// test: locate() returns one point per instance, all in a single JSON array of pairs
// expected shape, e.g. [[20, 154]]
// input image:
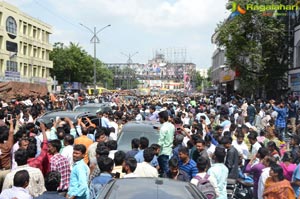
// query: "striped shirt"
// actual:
[[281, 117], [190, 168], [61, 164]]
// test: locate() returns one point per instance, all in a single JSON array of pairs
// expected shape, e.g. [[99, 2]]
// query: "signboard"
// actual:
[[155, 83], [72, 85], [38, 80], [187, 83], [295, 81], [12, 75], [227, 75]]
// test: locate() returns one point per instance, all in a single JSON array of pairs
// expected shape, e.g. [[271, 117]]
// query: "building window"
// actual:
[[11, 27], [1, 42], [34, 72], [25, 70], [24, 29], [24, 50], [34, 33], [11, 46], [12, 66], [34, 52], [43, 72]]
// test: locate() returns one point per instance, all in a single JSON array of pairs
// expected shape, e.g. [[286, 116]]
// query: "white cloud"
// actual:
[[149, 14], [137, 25]]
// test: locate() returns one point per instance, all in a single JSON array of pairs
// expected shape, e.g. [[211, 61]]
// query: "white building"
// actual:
[[24, 47], [203, 72]]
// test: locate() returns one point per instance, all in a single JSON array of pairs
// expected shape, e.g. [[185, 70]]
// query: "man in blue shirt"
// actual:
[[144, 143], [186, 164], [79, 188], [105, 165], [153, 116], [280, 123]]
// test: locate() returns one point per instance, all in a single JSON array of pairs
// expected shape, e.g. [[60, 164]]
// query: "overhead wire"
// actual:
[[58, 16]]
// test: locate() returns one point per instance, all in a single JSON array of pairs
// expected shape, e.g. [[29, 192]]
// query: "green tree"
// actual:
[[72, 63], [200, 81], [256, 48]]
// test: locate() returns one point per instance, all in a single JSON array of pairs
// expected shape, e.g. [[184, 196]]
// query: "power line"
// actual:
[[57, 16]]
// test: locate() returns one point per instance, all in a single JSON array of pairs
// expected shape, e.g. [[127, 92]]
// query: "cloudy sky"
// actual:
[[143, 26]]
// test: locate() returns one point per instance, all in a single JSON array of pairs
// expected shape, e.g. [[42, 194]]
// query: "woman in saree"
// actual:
[[276, 187]]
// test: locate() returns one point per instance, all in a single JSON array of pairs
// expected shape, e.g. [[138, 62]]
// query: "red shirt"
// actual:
[[42, 161]]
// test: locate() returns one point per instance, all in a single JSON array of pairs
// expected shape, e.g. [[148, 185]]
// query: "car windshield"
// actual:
[[126, 137], [148, 189]]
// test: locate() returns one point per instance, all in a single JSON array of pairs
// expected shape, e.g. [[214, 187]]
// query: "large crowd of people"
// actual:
[[205, 140]]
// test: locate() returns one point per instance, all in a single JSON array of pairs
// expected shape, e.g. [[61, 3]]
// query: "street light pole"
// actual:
[[95, 40], [129, 61]]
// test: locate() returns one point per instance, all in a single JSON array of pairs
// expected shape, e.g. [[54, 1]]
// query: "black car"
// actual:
[[149, 188], [137, 129], [93, 108], [51, 116]]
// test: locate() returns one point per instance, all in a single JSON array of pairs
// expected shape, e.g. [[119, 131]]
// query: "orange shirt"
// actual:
[[86, 142], [52, 97]]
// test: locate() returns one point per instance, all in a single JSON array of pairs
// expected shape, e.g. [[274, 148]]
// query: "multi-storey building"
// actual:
[[223, 78], [203, 72], [24, 47], [157, 73]]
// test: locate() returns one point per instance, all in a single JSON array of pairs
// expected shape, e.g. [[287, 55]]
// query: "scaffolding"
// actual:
[[171, 55]]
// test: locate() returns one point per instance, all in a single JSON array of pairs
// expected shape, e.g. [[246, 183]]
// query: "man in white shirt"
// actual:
[[252, 137], [240, 145], [21, 181], [129, 166], [145, 169], [113, 124], [67, 151], [267, 161], [218, 101], [36, 185], [105, 121]]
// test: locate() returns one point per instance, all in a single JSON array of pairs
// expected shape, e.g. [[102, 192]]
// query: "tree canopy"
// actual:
[[256, 46], [73, 64]]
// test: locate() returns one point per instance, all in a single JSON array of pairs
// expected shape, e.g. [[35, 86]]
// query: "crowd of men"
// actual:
[[255, 142]]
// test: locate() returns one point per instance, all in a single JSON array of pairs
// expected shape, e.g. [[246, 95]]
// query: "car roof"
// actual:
[[63, 114], [134, 126], [149, 188], [137, 129]]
